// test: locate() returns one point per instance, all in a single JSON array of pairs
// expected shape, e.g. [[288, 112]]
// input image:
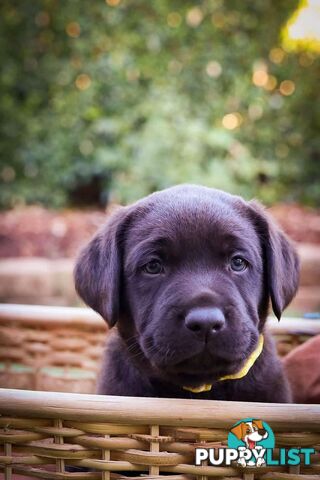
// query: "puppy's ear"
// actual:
[[239, 431], [258, 423], [280, 258], [97, 271]]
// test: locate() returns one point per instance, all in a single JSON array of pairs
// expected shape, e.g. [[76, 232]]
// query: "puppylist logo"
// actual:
[[250, 444]]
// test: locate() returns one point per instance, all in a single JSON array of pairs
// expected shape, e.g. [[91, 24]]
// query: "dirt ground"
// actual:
[[38, 232]]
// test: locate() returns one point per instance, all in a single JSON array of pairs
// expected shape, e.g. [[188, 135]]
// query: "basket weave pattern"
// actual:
[[48, 348], [44, 434], [55, 436], [59, 349]]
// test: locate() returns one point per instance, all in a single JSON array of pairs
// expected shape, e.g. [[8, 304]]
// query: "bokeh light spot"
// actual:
[[83, 81], [113, 3], [31, 171], [73, 29], [86, 147], [76, 62], [175, 67], [213, 69], [275, 101], [8, 174], [306, 59], [174, 19], [218, 20], [255, 111], [132, 74], [260, 78], [287, 87], [232, 120], [277, 55], [194, 17], [42, 19], [271, 83]]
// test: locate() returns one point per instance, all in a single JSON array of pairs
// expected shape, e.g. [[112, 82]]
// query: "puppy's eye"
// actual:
[[238, 264], [154, 267]]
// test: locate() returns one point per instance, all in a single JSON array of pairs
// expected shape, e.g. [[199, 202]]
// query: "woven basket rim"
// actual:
[[50, 315], [160, 411]]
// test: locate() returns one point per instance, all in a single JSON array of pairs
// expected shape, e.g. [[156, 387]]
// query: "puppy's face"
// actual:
[[189, 280], [193, 279], [250, 432]]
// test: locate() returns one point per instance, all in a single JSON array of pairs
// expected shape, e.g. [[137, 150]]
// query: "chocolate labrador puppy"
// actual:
[[186, 274]]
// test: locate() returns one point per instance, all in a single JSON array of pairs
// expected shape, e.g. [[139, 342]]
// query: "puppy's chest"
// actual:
[[233, 390], [218, 392]]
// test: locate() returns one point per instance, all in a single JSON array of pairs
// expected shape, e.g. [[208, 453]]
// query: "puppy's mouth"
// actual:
[[203, 367], [198, 369]]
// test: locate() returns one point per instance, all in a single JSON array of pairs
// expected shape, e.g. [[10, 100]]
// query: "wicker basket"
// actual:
[[51, 435], [50, 348]]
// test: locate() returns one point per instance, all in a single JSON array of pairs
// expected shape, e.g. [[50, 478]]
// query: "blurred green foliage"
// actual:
[[112, 100]]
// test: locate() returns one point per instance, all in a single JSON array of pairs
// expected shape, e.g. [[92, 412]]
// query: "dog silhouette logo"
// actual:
[[251, 437], [251, 443]]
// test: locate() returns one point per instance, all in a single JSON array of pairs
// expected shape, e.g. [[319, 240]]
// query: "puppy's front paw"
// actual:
[[260, 462], [242, 462]]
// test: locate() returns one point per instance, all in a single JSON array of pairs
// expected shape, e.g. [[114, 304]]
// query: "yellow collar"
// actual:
[[242, 373]]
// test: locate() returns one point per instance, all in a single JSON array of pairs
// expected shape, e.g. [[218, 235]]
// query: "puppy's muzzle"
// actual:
[[205, 322]]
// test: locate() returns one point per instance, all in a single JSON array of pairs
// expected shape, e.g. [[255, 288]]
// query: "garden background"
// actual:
[[103, 102]]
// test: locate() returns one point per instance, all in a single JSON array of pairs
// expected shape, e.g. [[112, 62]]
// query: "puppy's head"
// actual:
[[187, 273], [252, 430]]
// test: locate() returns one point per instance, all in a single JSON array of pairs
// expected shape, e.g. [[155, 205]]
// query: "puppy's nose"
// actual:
[[205, 321]]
